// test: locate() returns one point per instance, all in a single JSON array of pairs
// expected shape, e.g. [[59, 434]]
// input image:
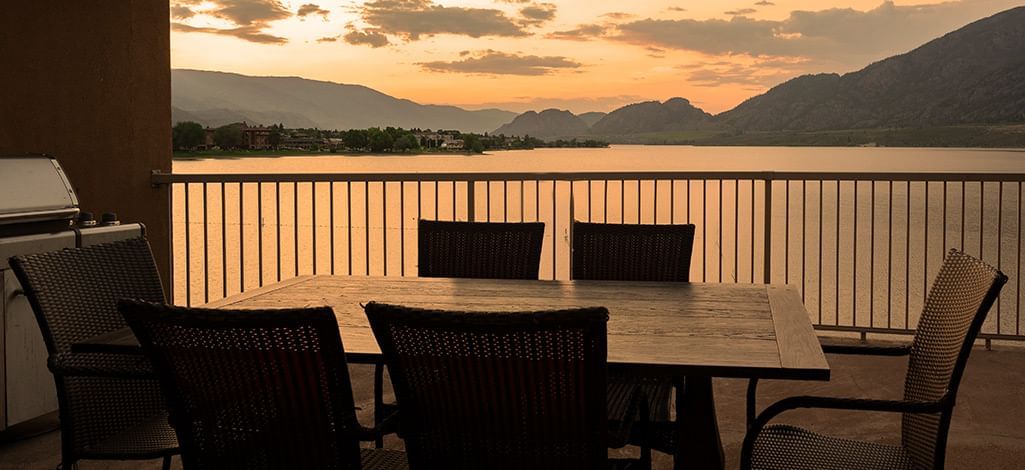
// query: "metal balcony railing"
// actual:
[[863, 248]]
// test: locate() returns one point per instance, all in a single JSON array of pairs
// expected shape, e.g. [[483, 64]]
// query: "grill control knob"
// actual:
[[86, 219], [109, 218]]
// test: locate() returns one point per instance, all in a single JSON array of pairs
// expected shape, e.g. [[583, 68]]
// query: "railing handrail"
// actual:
[[160, 178]]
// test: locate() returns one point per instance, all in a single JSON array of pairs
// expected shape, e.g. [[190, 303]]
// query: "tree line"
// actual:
[[188, 135]]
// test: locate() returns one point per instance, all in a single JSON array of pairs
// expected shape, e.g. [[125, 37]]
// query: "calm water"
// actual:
[[863, 254], [641, 158]]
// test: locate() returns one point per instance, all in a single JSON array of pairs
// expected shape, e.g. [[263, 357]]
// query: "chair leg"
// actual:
[[167, 463], [378, 401], [752, 401]]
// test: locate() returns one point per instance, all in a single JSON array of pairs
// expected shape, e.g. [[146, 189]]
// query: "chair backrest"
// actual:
[[258, 389], [488, 250], [74, 292], [954, 311], [632, 252], [497, 390]]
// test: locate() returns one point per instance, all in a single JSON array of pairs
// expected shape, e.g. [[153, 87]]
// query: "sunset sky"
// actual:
[[581, 55]]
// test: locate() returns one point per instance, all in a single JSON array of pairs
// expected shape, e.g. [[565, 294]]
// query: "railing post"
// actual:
[[767, 258], [471, 187]]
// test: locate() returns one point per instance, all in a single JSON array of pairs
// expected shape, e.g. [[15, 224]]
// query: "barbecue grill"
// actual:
[[39, 212]]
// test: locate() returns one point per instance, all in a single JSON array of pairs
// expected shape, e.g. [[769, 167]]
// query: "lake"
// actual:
[[863, 253]]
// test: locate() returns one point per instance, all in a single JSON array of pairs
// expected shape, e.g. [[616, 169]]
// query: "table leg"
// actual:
[[698, 445]]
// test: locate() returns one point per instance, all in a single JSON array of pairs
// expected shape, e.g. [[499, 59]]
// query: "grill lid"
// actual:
[[34, 189]]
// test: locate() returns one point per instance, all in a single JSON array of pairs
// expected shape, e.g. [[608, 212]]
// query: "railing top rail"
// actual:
[[164, 178]]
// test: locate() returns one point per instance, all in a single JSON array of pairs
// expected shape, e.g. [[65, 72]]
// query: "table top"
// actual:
[[719, 330]]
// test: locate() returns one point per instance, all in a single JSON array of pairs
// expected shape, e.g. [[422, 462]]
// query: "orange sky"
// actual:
[[581, 55]]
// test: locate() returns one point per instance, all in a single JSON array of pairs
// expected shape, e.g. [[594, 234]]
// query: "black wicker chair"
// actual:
[[486, 250], [256, 389], [637, 252], [632, 252], [480, 250], [111, 407], [498, 390], [954, 311]]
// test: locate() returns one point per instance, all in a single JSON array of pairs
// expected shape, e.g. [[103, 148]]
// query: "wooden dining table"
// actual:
[[695, 331]]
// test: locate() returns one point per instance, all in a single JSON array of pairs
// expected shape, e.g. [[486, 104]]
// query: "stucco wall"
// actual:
[[89, 82]]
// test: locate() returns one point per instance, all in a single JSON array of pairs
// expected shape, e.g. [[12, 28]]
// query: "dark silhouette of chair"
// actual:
[[480, 249], [111, 407], [954, 311], [255, 389], [632, 252], [498, 390], [637, 252]]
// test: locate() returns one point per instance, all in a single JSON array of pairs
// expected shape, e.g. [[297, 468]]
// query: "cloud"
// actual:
[[584, 32], [618, 15], [249, 12], [758, 75], [181, 12], [677, 9], [328, 39], [249, 33], [741, 11], [764, 3], [837, 37], [492, 62], [312, 9], [576, 105], [411, 19], [370, 38], [538, 13], [249, 17]]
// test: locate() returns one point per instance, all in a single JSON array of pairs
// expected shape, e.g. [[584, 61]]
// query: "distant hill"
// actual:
[[217, 98], [547, 123], [970, 82], [592, 117], [975, 75], [651, 116]]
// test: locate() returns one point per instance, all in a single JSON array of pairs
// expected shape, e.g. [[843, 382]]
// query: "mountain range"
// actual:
[[217, 98], [970, 77]]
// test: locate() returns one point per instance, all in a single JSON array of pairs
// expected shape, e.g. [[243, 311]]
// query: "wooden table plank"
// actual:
[[799, 347]]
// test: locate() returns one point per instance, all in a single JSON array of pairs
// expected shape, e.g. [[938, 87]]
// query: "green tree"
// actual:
[[228, 137], [187, 135], [472, 144], [406, 143], [274, 139], [378, 140], [355, 139]]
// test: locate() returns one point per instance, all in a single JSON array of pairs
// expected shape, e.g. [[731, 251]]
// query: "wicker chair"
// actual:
[[632, 252], [637, 252], [954, 311], [467, 250], [256, 389], [498, 390], [480, 249], [111, 407]]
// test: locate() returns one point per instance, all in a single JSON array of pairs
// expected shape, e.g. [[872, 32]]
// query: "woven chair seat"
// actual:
[[113, 365], [150, 439], [788, 447], [374, 459]]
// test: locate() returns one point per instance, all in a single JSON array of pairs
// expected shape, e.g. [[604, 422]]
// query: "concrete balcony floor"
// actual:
[[987, 429]]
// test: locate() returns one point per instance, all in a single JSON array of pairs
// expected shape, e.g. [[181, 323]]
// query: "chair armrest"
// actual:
[[853, 349], [867, 350], [111, 365], [835, 403]]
